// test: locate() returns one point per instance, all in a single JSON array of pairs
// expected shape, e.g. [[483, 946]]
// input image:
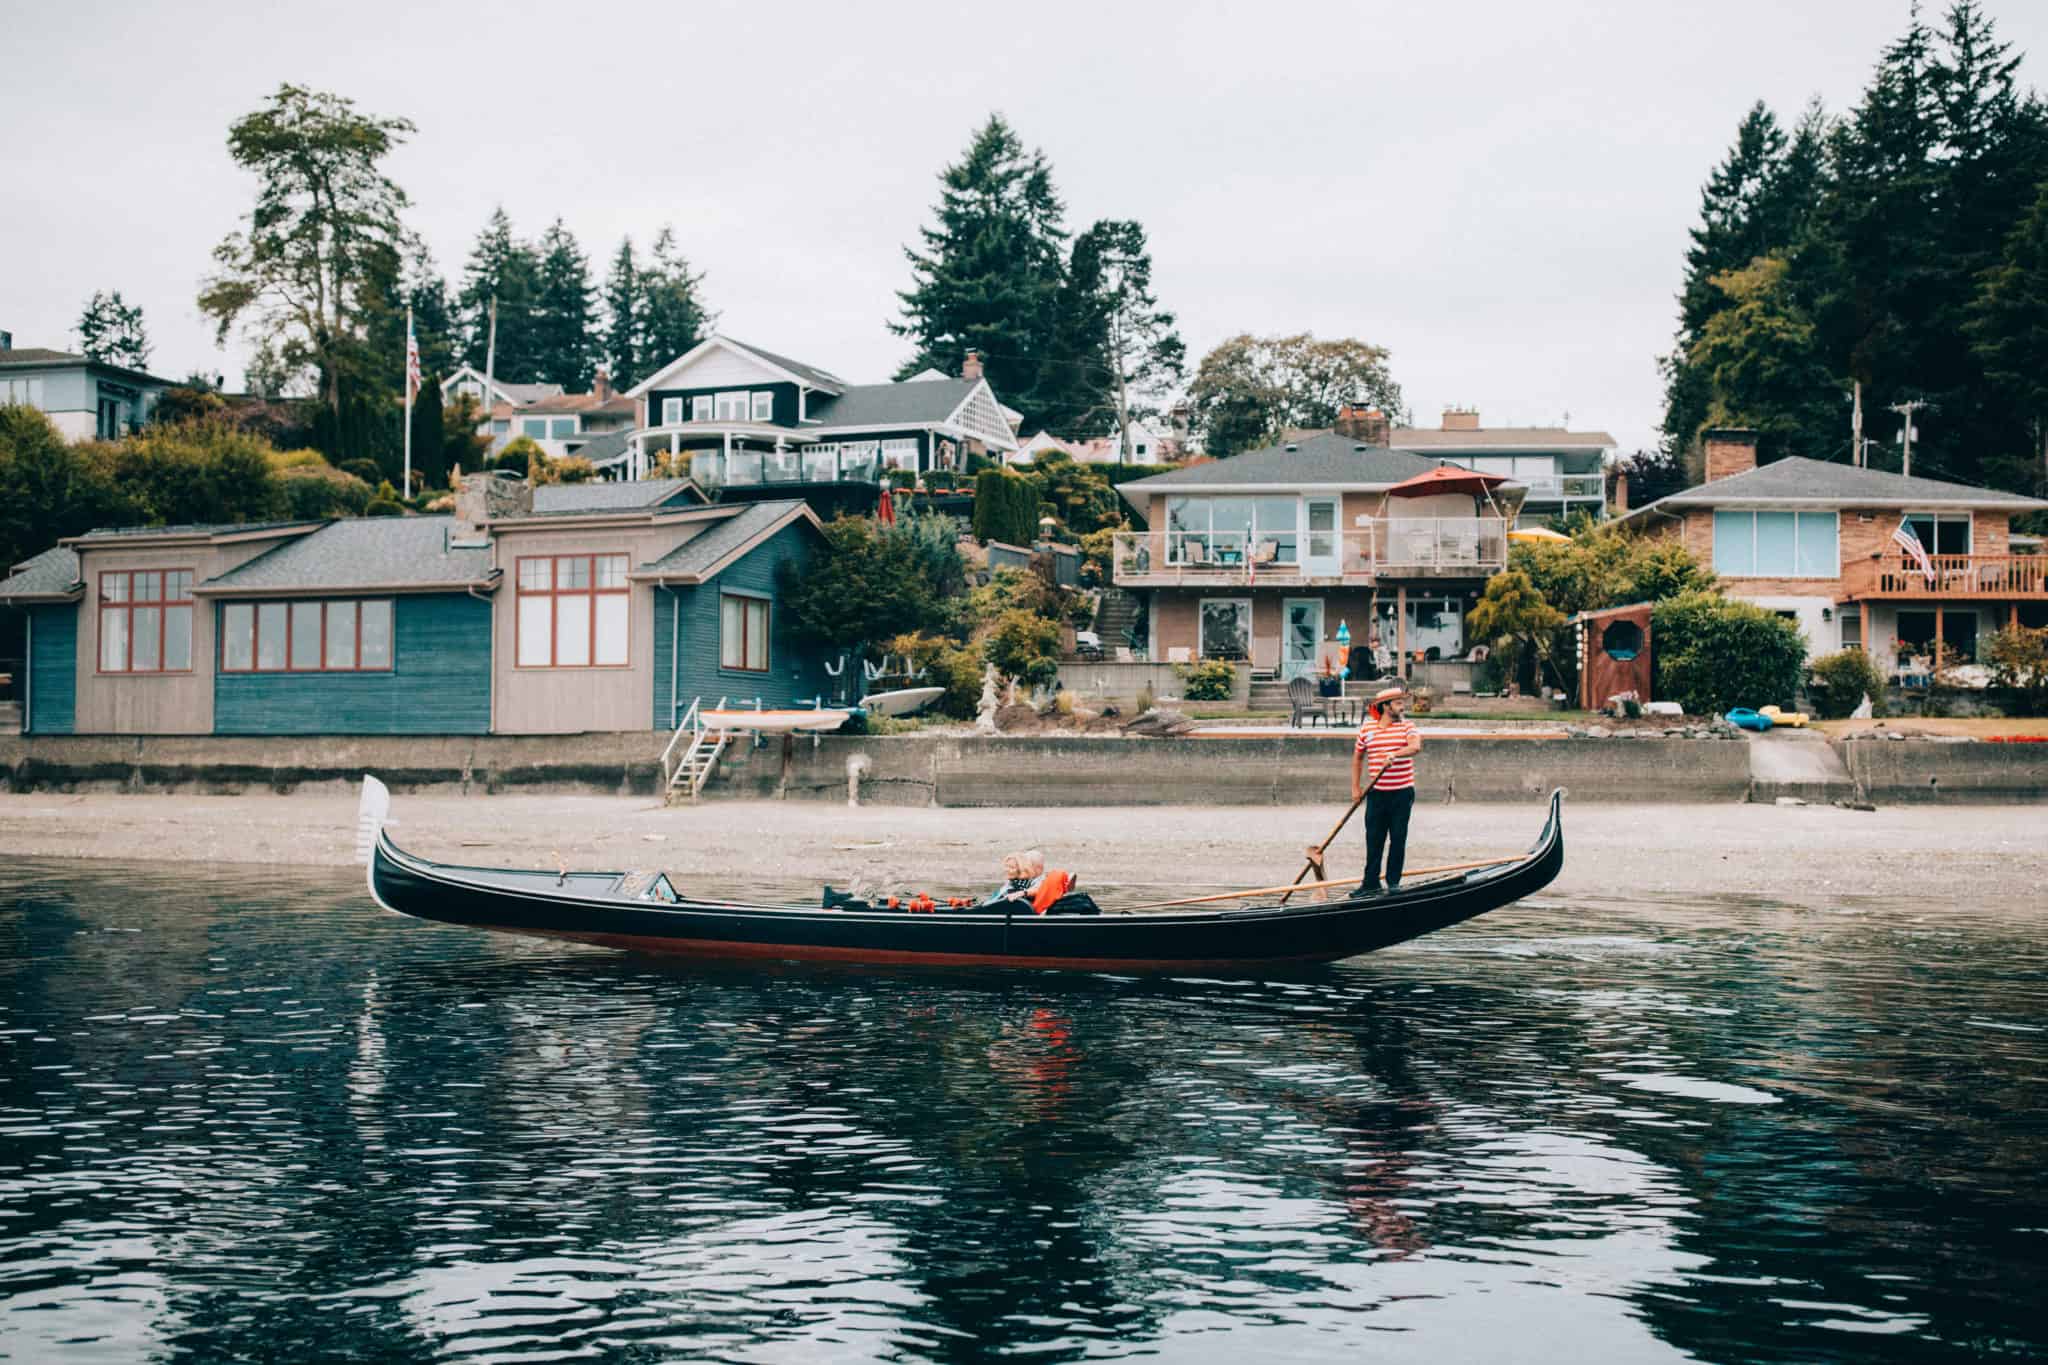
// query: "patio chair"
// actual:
[[1917, 671], [1304, 704]]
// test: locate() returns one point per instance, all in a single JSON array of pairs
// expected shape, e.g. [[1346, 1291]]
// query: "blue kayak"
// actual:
[[1748, 719]]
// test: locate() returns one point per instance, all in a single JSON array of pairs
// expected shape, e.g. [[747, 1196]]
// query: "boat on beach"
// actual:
[[647, 912]]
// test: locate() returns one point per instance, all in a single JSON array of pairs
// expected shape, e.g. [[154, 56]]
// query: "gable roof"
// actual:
[[519, 394], [362, 553], [1328, 460], [810, 376], [631, 495], [709, 551], [190, 530], [910, 402], [1797, 479], [51, 574]]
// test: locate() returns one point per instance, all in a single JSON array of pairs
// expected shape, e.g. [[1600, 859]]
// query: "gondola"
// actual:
[[645, 912]]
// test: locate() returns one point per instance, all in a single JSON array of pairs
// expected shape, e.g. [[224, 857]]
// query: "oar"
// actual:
[[1314, 864], [1308, 886]]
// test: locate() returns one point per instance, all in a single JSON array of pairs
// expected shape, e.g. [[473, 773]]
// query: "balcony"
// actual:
[[1948, 576], [748, 468], [1565, 488], [1462, 547]]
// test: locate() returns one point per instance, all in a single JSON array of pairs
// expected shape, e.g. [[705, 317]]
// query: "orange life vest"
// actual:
[[1055, 884]]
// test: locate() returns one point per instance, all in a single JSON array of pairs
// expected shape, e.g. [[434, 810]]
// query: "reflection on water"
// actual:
[[260, 1119]]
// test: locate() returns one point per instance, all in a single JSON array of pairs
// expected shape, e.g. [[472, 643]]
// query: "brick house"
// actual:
[[1813, 542]]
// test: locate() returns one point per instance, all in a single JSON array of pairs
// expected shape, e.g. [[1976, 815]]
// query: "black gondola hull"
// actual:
[[587, 908]]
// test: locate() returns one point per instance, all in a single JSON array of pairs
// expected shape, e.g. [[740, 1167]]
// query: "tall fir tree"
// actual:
[[502, 266], [1114, 327], [2008, 330], [623, 324], [112, 331], [564, 310], [672, 314], [429, 437], [989, 277]]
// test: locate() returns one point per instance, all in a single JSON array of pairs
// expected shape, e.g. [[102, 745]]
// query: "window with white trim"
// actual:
[[700, 408], [306, 637], [1852, 627], [572, 611], [562, 428], [146, 621], [671, 411], [733, 407], [764, 405], [536, 427], [25, 391], [900, 453], [1941, 533], [743, 632], [1776, 544]]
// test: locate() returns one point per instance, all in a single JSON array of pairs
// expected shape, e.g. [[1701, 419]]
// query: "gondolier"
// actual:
[[1388, 742]]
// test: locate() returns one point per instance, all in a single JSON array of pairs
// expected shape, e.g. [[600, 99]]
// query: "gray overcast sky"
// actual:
[[1498, 192]]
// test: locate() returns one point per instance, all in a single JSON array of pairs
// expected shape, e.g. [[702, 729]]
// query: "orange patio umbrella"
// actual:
[[1448, 478]]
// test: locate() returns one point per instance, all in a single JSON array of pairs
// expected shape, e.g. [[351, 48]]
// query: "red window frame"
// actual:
[[554, 594], [126, 606], [290, 614], [747, 604]]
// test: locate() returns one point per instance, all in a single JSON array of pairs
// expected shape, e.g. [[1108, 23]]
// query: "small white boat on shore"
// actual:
[[781, 722], [901, 702]]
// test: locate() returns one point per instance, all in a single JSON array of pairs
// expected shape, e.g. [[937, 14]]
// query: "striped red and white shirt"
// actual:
[[1379, 743]]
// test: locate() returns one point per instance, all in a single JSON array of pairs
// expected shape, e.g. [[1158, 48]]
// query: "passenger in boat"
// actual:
[[1388, 742], [1029, 886], [1022, 873]]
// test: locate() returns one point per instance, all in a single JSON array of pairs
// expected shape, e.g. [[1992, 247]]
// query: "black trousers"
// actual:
[[1386, 832]]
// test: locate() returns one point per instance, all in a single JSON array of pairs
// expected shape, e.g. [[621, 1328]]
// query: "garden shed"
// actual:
[[1614, 653]]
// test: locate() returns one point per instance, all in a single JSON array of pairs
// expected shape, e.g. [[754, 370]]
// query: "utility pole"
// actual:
[[490, 372], [1856, 428], [1906, 410]]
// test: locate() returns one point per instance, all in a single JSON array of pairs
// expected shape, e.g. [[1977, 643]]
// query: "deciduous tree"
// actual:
[[1250, 389], [1113, 317]]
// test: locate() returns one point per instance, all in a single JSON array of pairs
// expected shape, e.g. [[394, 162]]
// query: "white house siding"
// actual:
[[719, 367], [1822, 636]]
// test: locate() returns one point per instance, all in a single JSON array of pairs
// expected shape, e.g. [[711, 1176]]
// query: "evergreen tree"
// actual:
[[1761, 368], [623, 321], [1112, 325], [2009, 331], [111, 331], [990, 278], [429, 438], [502, 266], [564, 311], [672, 315]]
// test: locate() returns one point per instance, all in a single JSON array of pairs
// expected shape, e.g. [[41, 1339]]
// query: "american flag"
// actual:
[[412, 362], [1909, 541]]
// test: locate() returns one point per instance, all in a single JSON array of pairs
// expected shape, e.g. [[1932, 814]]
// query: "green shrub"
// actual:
[[281, 460], [1005, 507], [1713, 653], [1024, 646], [384, 507], [1209, 680], [522, 455], [366, 470], [2018, 659], [1840, 681], [316, 492], [958, 669]]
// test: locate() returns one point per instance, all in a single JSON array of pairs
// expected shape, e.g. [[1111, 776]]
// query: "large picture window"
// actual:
[[1776, 545], [572, 611], [146, 621], [306, 637], [1232, 530], [743, 633], [733, 407], [1941, 533]]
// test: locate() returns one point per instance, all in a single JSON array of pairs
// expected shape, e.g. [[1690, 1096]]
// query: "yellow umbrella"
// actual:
[[1539, 533]]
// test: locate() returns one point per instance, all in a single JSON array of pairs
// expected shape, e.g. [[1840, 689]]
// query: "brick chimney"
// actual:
[[1368, 426], [602, 385], [1729, 450], [484, 497], [970, 368], [1461, 419]]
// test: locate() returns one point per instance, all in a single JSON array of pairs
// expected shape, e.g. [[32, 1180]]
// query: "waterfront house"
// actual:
[[470, 383], [592, 607], [751, 423], [1149, 446], [563, 424], [1813, 541], [86, 400], [1266, 555], [1562, 471]]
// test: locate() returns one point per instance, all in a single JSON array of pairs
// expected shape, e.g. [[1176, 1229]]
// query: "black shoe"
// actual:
[[1364, 889]]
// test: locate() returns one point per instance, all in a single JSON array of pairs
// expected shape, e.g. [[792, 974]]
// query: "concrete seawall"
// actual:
[[896, 770], [1928, 771]]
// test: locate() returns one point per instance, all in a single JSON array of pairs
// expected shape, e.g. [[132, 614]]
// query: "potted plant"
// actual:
[[1329, 682]]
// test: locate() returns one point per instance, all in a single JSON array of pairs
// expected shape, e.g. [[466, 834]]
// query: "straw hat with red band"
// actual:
[[1385, 695]]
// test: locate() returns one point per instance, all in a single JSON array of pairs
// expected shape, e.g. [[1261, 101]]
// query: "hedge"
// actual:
[[1713, 653]]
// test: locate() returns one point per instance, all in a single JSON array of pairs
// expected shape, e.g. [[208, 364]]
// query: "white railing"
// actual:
[[747, 468], [693, 769], [1450, 545], [1560, 487]]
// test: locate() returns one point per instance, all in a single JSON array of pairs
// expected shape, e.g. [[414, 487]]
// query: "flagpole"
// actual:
[[407, 491]]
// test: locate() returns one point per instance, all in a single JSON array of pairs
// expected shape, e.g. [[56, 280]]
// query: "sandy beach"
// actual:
[[1808, 855]]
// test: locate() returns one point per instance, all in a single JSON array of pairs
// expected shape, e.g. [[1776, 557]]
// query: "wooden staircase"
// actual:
[[1118, 613], [693, 752]]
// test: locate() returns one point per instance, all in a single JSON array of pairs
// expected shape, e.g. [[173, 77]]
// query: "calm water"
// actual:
[[246, 1116]]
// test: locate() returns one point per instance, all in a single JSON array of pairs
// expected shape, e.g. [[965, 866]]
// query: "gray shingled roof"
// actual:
[[706, 548], [604, 449], [631, 495], [218, 528], [362, 552], [910, 403], [1497, 438], [53, 573], [810, 374], [1317, 460], [1797, 479]]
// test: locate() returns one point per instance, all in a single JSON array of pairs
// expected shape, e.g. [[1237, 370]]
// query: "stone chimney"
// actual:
[[1461, 419], [485, 497], [1367, 426], [1620, 497], [970, 368], [601, 386], [1729, 450]]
